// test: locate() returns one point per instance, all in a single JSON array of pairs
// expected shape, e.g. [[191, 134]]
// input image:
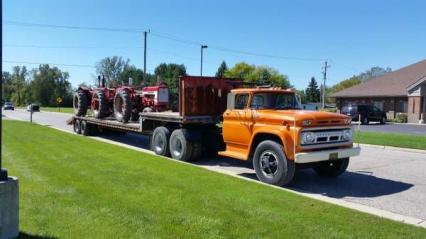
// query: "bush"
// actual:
[[400, 118]]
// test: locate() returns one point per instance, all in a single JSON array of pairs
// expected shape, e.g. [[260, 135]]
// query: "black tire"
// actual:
[[197, 150], [79, 103], [271, 164], [160, 141], [122, 106], [180, 148], [77, 126], [332, 168], [136, 109], [102, 106], [86, 128]]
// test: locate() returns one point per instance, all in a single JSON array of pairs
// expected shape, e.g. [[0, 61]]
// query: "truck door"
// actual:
[[237, 121]]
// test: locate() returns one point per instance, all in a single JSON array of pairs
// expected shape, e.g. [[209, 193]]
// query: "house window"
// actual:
[[404, 106]]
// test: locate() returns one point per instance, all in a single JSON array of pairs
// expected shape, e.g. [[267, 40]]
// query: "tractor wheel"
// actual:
[[80, 103], [136, 109], [122, 106], [99, 104]]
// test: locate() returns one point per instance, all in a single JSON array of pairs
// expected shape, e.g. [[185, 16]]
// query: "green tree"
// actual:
[[252, 74], [222, 69], [112, 68], [313, 93], [19, 83], [48, 84], [169, 74], [131, 71], [6, 81]]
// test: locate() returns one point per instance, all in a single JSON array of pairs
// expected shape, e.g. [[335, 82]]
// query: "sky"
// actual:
[[294, 37]]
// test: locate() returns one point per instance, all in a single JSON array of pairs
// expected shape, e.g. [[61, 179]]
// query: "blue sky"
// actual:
[[352, 35]]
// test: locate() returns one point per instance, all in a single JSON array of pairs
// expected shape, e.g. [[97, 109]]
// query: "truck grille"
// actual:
[[324, 136]]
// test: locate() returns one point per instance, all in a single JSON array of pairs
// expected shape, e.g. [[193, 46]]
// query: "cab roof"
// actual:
[[262, 89]]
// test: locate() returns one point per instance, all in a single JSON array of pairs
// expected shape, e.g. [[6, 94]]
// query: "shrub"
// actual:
[[401, 118]]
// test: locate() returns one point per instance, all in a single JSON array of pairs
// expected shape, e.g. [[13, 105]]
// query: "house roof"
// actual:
[[394, 83]]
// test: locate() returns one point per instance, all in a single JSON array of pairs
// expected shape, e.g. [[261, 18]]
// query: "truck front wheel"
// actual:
[[160, 141], [332, 168], [271, 164]]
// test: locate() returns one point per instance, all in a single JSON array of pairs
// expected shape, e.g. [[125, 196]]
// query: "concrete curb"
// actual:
[[339, 202], [420, 151]]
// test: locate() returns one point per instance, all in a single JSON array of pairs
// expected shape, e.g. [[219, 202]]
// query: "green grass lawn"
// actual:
[[391, 139], [76, 187]]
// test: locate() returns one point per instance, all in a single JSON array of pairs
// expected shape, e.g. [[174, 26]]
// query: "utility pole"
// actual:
[[202, 48], [325, 67], [3, 173], [144, 55]]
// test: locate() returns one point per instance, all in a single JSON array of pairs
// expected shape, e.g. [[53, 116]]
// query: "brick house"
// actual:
[[400, 91]]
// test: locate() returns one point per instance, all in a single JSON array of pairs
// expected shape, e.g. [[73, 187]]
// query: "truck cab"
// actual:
[[267, 126]]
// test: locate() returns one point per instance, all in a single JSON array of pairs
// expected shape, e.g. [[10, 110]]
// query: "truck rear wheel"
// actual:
[[160, 141], [332, 168], [99, 104], [77, 126], [79, 103], [180, 148], [271, 164], [122, 106]]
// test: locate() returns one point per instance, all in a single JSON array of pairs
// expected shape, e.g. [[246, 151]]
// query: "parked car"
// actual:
[[8, 106], [364, 112], [35, 107]]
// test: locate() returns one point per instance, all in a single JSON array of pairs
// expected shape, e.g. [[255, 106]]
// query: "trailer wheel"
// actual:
[[86, 128], [180, 148], [160, 141], [271, 164], [99, 104], [77, 126], [122, 106], [79, 103], [332, 168]]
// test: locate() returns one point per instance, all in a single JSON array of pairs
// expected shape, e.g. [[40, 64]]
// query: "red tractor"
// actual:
[[124, 102]]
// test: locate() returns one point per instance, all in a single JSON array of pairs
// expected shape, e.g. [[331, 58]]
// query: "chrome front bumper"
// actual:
[[318, 156]]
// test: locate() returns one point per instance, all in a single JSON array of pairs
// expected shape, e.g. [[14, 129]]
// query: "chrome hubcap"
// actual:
[[268, 163], [159, 144], [177, 147]]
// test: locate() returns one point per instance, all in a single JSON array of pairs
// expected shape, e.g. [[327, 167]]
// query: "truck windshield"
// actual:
[[274, 101]]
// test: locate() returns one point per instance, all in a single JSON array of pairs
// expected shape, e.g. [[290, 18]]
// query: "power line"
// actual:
[[160, 35], [49, 63], [99, 47]]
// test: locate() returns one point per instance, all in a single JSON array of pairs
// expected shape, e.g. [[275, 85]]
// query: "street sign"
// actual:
[[59, 100]]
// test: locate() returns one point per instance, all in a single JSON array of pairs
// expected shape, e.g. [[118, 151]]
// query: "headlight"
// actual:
[[347, 134], [308, 138]]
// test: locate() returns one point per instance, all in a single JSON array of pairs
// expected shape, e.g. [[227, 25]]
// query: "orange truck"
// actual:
[[263, 125]]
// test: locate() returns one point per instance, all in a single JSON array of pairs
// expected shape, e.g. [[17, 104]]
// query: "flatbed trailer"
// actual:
[[202, 101]]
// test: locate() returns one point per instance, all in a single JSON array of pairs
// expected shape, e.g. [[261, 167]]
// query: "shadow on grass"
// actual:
[[25, 235]]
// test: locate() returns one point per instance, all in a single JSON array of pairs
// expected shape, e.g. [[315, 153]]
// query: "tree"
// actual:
[[131, 71], [222, 69], [313, 94], [169, 73], [19, 83], [48, 84], [252, 74], [6, 81], [112, 68]]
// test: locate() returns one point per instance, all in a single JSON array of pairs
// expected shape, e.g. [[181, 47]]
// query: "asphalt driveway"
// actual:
[[395, 128]]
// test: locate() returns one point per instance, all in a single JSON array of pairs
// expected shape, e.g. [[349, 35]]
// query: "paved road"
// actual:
[[390, 180], [396, 128]]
